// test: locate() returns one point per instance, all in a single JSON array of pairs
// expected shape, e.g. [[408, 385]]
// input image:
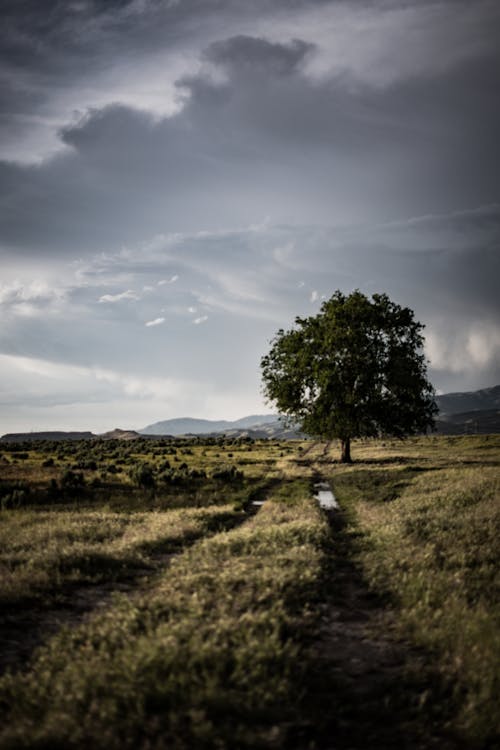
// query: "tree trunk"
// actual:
[[345, 456]]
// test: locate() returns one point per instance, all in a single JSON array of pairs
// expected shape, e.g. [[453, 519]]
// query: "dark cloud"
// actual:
[[246, 54], [362, 154], [265, 141]]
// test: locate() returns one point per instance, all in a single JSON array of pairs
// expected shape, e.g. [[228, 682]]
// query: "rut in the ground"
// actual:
[[23, 630], [367, 689]]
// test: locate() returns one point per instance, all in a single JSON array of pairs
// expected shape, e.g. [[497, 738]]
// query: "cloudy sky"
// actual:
[[181, 178]]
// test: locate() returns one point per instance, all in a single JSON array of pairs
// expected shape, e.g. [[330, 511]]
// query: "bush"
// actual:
[[142, 475], [72, 479], [15, 499], [14, 495], [227, 473]]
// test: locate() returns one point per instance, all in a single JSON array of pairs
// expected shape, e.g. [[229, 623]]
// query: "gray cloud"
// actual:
[[229, 166], [257, 280], [266, 140], [246, 54]]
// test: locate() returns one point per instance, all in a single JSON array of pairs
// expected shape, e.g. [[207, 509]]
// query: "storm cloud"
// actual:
[[176, 173]]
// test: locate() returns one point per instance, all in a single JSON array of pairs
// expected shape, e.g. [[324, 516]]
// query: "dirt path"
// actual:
[[367, 689]]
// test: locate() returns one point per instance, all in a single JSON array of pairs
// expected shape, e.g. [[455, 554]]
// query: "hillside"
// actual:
[[21, 437], [479, 422], [118, 434], [459, 413], [459, 403], [191, 426]]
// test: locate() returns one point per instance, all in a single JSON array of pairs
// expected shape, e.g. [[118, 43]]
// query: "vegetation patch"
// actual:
[[43, 552], [433, 549], [209, 658], [250, 618]]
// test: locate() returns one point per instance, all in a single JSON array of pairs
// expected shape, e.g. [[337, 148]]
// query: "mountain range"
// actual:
[[190, 426], [458, 403], [459, 413]]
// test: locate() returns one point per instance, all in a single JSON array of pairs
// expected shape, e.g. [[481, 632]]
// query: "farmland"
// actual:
[[191, 594]]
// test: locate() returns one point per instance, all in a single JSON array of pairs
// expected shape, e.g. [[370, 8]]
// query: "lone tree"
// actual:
[[356, 369]]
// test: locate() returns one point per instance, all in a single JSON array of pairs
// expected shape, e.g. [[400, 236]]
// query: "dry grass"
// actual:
[[44, 551], [213, 654], [209, 658], [430, 513]]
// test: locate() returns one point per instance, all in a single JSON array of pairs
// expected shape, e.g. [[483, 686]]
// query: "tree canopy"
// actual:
[[356, 369]]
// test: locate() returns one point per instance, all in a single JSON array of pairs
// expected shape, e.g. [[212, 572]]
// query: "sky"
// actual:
[[182, 178]]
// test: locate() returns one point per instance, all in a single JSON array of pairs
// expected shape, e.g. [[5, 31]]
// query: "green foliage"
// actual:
[[142, 475], [14, 495], [72, 479], [354, 370], [227, 473]]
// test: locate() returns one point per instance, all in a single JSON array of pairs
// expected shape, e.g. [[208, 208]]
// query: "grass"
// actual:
[[430, 519], [218, 649], [206, 659], [44, 552]]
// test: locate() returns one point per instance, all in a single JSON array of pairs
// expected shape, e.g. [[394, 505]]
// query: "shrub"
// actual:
[[142, 475], [227, 473], [72, 479]]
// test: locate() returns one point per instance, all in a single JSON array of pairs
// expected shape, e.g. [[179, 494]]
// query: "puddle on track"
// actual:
[[325, 496]]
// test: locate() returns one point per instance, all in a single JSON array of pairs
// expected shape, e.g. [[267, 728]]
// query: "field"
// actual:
[[191, 594]]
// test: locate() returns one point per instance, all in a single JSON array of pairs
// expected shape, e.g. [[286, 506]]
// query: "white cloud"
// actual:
[[155, 322], [128, 294], [381, 43], [483, 345], [32, 299], [314, 296], [201, 319], [171, 280], [62, 381], [467, 349]]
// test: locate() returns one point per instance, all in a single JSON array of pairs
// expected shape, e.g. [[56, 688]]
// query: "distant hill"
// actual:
[[189, 426], [118, 434], [479, 421], [20, 437], [271, 430], [460, 413], [460, 403]]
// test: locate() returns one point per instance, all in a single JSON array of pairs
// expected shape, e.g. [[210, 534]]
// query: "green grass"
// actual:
[[184, 473], [44, 552], [217, 650], [430, 519], [209, 658]]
